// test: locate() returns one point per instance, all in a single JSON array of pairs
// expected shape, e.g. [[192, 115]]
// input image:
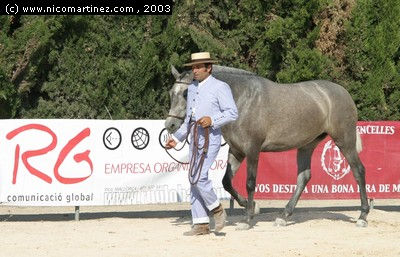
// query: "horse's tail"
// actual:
[[358, 143]]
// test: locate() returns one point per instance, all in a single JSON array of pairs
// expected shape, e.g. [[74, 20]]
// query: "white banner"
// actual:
[[94, 162]]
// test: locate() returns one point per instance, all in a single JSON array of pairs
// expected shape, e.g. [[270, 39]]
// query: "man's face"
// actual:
[[201, 71]]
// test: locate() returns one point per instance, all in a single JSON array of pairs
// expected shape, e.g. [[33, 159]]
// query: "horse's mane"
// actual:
[[234, 76], [235, 71]]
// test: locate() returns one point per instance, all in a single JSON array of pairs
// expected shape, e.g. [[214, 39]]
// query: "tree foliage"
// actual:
[[373, 55], [100, 66]]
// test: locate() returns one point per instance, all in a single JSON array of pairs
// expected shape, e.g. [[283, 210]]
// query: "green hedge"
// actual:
[[97, 66]]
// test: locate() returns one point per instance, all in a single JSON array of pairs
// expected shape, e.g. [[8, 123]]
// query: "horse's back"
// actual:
[[283, 116], [341, 104], [318, 105]]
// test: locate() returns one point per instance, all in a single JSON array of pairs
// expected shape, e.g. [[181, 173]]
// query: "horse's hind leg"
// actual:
[[303, 176], [349, 151], [231, 169]]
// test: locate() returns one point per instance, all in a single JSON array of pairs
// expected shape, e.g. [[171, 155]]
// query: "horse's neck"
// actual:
[[244, 81]]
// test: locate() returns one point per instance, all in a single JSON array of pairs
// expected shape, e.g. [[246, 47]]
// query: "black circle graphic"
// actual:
[[160, 137], [112, 138], [140, 138]]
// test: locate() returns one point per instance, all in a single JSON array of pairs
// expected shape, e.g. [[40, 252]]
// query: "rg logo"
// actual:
[[84, 156]]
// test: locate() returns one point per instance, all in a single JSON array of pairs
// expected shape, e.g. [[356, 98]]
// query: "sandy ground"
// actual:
[[318, 228]]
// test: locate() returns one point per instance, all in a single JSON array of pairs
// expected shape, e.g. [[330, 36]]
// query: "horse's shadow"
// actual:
[[301, 215]]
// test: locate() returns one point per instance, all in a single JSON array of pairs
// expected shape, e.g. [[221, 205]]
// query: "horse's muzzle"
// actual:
[[172, 124]]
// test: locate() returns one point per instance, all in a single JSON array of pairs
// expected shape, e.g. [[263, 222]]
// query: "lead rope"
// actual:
[[193, 168]]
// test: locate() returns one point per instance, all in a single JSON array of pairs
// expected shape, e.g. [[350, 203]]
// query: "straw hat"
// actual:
[[202, 57]]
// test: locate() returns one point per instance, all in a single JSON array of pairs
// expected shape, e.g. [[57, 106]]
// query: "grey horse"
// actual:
[[277, 117]]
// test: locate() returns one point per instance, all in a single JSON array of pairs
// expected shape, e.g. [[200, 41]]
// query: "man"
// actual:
[[210, 102]]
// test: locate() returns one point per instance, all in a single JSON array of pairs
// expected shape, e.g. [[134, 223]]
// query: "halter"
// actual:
[[183, 82]]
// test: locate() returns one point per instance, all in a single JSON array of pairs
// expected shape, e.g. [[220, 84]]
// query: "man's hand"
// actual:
[[205, 122], [171, 143]]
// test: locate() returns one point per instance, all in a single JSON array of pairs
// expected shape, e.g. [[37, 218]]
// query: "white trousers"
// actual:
[[202, 195]]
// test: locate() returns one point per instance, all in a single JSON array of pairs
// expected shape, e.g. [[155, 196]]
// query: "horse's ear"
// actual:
[[175, 72]]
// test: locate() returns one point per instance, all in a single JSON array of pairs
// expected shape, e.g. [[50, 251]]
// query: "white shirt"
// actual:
[[204, 81], [201, 83]]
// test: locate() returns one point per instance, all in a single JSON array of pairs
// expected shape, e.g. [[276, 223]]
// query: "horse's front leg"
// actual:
[[252, 164]]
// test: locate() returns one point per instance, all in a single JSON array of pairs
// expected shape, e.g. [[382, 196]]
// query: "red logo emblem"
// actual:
[[333, 162], [67, 149]]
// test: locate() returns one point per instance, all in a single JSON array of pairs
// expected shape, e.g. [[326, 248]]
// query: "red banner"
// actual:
[[331, 177]]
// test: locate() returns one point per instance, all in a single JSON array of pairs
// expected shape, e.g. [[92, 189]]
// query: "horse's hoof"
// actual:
[[243, 226], [361, 223], [279, 222], [256, 208]]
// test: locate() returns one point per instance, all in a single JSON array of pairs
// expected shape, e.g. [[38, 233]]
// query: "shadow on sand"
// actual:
[[236, 215]]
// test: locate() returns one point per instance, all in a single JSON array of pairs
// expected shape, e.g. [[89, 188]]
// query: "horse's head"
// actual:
[[178, 95]]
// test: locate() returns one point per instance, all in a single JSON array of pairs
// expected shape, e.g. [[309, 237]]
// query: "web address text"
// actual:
[[143, 9]]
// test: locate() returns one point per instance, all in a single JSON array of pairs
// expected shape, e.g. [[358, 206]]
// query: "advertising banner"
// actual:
[[65, 162], [93, 162]]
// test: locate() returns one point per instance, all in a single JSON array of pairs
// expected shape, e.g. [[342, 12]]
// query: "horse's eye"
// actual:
[[185, 94]]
